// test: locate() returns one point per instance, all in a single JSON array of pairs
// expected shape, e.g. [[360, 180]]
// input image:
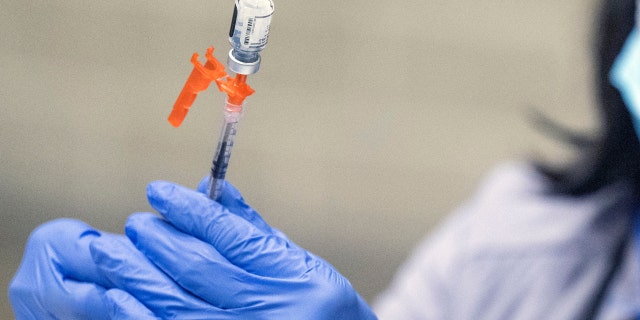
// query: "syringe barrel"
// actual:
[[221, 158]]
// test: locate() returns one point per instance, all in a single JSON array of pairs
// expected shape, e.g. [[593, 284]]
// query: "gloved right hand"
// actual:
[[228, 261]]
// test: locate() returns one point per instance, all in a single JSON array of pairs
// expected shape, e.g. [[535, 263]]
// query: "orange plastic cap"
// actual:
[[199, 80]]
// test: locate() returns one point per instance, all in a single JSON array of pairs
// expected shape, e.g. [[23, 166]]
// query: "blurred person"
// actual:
[[535, 242]]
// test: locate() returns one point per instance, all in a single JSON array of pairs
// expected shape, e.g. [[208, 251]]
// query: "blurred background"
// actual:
[[371, 122]]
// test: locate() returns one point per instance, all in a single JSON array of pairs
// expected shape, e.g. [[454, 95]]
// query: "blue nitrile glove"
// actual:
[[58, 279], [223, 262]]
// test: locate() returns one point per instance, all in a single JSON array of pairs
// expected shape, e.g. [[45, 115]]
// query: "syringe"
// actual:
[[248, 37], [232, 113]]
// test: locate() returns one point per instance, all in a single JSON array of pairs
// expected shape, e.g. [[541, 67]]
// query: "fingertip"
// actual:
[[177, 203], [157, 193], [169, 198], [204, 185], [232, 199], [135, 222], [122, 305], [138, 221], [152, 186], [139, 218], [66, 227], [98, 249], [132, 234], [230, 192], [106, 250]]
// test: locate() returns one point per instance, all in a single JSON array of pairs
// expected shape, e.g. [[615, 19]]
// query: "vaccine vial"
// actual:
[[249, 34]]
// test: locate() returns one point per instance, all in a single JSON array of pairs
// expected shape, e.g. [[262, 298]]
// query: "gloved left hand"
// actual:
[[222, 261], [58, 279]]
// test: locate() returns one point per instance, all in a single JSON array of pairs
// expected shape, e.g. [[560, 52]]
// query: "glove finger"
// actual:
[[57, 276], [238, 240], [132, 272], [186, 259], [123, 306], [204, 185], [232, 199]]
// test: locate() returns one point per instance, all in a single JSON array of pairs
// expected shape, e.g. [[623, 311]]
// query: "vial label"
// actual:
[[255, 31]]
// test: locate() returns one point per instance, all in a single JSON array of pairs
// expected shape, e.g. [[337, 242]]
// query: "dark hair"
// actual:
[[614, 154]]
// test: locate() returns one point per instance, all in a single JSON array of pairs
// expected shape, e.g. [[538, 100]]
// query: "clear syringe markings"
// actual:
[[222, 155]]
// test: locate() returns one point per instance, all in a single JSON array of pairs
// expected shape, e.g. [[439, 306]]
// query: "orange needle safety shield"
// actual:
[[201, 76]]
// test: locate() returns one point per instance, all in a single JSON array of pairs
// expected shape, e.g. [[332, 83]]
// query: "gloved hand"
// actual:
[[219, 261], [58, 279]]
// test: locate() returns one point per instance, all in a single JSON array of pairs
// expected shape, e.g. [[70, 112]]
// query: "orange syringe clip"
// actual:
[[198, 80], [236, 88]]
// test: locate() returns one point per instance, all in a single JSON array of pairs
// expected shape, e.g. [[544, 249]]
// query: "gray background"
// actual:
[[372, 119]]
